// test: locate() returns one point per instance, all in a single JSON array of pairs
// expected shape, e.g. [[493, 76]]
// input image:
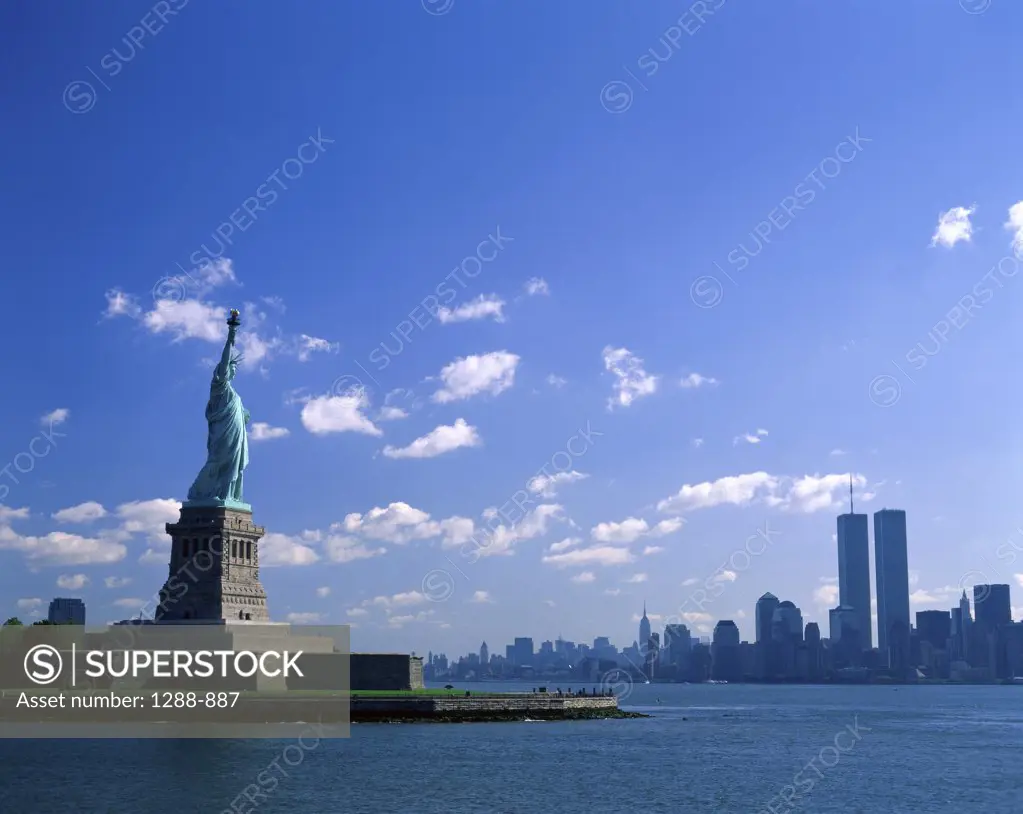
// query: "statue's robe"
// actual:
[[227, 446]]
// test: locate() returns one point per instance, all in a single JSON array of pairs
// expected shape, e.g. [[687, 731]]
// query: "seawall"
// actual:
[[469, 709]]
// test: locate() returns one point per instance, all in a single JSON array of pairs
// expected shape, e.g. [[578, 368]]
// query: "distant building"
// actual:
[[484, 655], [725, 655], [844, 632], [764, 654], [678, 642], [891, 561], [766, 606], [934, 627], [991, 606], [67, 611], [523, 651], [854, 569], [644, 631]]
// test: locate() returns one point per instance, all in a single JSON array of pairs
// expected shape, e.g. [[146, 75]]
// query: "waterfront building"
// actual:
[[766, 606], [992, 606], [934, 627], [725, 654], [484, 655], [677, 643], [854, 569], [891, 561], [844, 632], [66, 611]]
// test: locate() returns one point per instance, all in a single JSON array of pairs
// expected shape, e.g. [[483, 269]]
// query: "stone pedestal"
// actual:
[[214, 568]]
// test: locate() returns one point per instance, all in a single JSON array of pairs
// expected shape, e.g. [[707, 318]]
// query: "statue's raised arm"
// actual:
[[227, 445]]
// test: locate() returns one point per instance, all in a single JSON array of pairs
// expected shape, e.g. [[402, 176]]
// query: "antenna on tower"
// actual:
[[851, 510]]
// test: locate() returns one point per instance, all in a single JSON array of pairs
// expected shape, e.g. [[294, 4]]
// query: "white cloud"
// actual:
[[152, 557], [187, 319], [628, 531], [304, 618], [921, 597], [438, 441], [806, 494], [836, 453], [537, 285], [485, 305], [1019, 579], [1015, 225], [261, 431], [826, 595], [556, 381], [55, 417], [60, 548], [736, 490], [308, 345], [343, 549], [391, 414], [29, 604], [750, 438], [564, 545], [72, 582], [120, 304], [116, 582], [7, 513], [697, 443], [82, 513], [131, 603], [635, 579], [546, 485], [149, 517], [499, 540], [357, 612], [953, 226], [695, 380], [691, 581], [695, 616], [653, 549], [326, 414], [599, 555], [468, 376], [632, 381], [277, 549], [399, 600], [725, 576], [584, 577], [815, 493], [401, 523], [323, 592], [399, 621], [631, 529], [481, 598], [612, 591]]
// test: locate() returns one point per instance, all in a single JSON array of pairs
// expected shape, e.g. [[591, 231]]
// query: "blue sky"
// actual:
[[603, 321]]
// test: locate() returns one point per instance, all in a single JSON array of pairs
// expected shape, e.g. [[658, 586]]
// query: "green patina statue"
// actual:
[[227, 446]]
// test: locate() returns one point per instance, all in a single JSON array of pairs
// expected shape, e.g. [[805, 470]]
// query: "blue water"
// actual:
[[726, 748]]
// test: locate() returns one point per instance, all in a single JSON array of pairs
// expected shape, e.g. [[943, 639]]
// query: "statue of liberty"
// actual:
[[227, 446]]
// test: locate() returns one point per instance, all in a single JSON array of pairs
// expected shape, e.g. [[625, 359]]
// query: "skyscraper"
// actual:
[[892, 564], [644, 631], [484, 654], [67, 611], [766, 606], [854, 569], [991, 606]]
